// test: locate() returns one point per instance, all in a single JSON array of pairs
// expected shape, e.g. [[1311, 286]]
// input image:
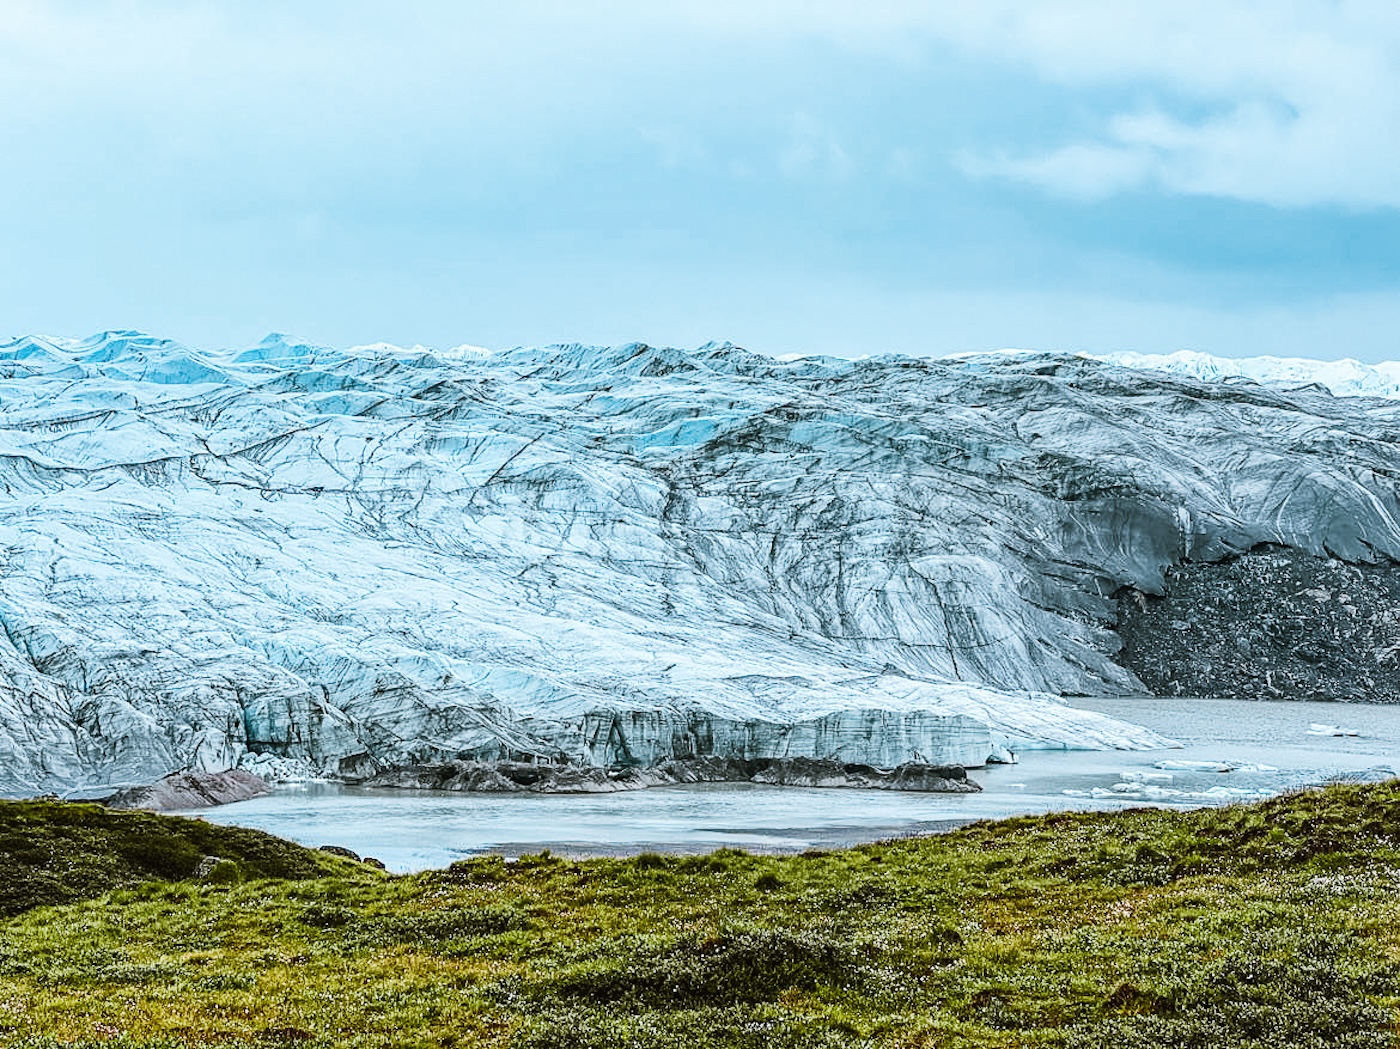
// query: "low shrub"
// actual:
[[439, 926], [685, 1029], [750, 965], [1275, 987]]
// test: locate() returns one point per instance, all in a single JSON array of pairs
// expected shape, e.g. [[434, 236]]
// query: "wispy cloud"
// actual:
[[1284, 103]]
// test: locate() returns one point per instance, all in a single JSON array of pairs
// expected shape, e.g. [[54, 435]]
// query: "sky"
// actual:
[[795, 176]]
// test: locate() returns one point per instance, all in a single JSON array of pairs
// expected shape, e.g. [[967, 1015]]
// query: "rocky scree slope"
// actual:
[[358, 560], [1273, 623]]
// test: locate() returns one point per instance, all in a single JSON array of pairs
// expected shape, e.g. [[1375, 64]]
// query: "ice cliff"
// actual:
[[377, 557]]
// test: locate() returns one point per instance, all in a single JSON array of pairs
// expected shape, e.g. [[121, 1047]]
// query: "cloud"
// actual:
[[1080, 171], [368, 167], [1291, 104]]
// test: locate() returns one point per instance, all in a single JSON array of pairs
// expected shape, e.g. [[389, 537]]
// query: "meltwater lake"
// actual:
[[1231, 750]]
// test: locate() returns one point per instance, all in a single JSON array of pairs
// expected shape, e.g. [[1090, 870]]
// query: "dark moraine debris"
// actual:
[[1274, 623], [814, 772], [575, 779]]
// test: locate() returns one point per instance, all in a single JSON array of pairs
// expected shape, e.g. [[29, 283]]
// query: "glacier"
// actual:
[[1342, 378], [350, 561]]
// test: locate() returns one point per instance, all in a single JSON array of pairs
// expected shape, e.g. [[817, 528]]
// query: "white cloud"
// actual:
[[1302, 97], [1081, 171], [1288, 102]]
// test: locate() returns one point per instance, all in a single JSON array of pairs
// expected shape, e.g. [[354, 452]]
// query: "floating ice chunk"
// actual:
[[1316, 729], [1235, 792], [1147, 791], [1141, 776], [1177, 765]]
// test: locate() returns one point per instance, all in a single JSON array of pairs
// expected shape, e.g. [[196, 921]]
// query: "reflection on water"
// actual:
[[1269, 744]]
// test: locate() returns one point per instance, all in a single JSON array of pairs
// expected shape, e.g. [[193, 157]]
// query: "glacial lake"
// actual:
[[1231, 750]]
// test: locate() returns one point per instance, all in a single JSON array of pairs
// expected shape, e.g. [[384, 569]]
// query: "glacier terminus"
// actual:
[[347, 562]]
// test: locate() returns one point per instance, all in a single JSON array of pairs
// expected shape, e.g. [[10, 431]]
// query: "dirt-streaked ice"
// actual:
[[355, 559]]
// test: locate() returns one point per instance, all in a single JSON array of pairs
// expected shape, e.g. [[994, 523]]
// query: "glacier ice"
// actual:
[[351, 560], [1342, 378]]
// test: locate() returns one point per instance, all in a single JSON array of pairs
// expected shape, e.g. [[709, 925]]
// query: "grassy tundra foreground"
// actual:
[[1266, 925]]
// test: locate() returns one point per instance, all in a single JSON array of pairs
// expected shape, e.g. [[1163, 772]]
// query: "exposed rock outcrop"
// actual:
[[190, 790], [355, 561]]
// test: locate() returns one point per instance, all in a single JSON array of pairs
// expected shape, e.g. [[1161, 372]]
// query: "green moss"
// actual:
[[1251, 926], [58, 852], [713, 969]]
